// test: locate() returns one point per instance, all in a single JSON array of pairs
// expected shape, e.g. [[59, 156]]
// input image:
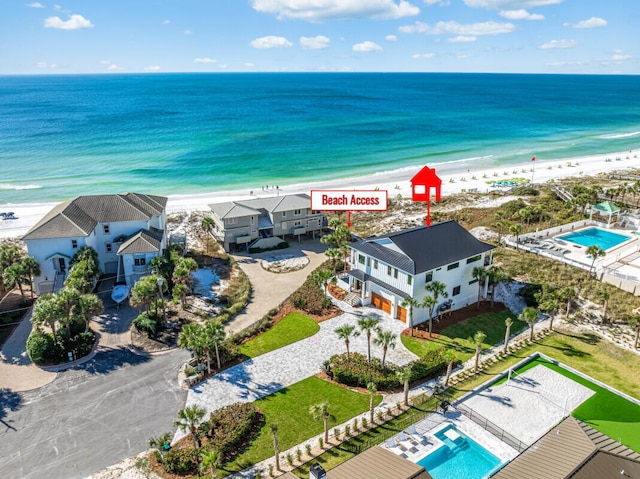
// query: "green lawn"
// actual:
[[605, 411], [457, 336], [293, 327], [289, 408]]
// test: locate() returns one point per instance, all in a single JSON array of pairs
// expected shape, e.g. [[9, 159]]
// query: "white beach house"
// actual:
[[386, 269], [126, 230], [239, 223]]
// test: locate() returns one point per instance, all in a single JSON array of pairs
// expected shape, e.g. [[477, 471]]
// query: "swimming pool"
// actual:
[[595, 236], [459, 457]]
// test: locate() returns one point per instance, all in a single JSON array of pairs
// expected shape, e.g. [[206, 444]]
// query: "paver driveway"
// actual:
[[278, 369]]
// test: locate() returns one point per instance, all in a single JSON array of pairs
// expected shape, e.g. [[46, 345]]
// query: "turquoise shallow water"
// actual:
[[62, 136]]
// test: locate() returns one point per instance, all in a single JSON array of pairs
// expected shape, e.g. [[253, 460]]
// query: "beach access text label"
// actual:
[[349, 200]]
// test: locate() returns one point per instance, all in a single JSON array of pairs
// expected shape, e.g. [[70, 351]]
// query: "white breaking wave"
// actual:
[[8, 186], [621, 135]]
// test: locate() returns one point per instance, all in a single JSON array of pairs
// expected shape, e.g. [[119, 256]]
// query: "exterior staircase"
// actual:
[[352, 299]]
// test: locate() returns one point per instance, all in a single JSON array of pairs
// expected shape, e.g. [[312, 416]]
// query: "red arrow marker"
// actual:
[[349, 219]]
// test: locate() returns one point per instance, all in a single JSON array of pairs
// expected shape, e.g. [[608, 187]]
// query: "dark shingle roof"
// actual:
[[144, 241], [272, 204], [421, 249], [78, 217]]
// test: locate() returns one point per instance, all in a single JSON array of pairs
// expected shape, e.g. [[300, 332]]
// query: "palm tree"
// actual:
[[33, 269], [437, 289], [404, 375], [160, 441], [371, 387], [321, 278], [507, 335], [367, 325], [180, 291], [90, 305], [478, 339], [321, 410], [386, 339], [211, 462], [410, 303], [634, 322], [450, 357], [144, 292], [567, 294], [68, 299], [345, 332], [516, 229], [595, 252], [530, 315], [429, 303], [276, 447], [183, 269], [16, 275], [333, 254], [548, 301], [47, 311], [191, 338], [207, 225], [188, 420], [214, 334], [480, 274], [496, 276]]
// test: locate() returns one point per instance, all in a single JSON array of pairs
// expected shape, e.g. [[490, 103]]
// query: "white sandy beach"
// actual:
[[396, 182]]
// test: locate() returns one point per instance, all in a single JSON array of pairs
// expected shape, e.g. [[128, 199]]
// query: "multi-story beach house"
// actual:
[[239, 223], [386, 269], [126, 230]]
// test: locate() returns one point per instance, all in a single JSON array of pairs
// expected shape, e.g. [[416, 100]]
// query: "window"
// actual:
[[74, 244], [456, 291], [388, 270], [141, 261], [231, 221], [473, 281], [108, 246], [253, 220], [368, 261], [297, 223], [409, 279], [283, 225], [296, 212], [360, 259], [474, 259], [395, 273], [284, 214], [375, 264], [453, 266], [429, 277], [105, 228]]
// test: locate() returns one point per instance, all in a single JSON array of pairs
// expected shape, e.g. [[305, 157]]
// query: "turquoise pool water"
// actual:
[[460, 459], [595, 236]]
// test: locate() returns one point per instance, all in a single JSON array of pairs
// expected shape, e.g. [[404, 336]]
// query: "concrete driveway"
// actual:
[[270, 289]]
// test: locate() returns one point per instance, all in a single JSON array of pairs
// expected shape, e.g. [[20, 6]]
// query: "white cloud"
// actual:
[[271, 41], [46, 65], [455, 28], [75, 22], [391, 38], [558, 44], [113, 67], [188, 32], [34, 5], [366, 46], [509, 4], [318, 10], [152, 68], [248, 65], [314, 43], [166, 22], [462, 39], [593, 22], [420, 56], [521, 14], [619, 57], [205, 60], [442, 3]]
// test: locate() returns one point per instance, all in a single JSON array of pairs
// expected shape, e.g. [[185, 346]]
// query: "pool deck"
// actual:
[[527, 406]]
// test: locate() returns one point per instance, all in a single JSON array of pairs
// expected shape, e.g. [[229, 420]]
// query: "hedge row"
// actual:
[[231, 428]]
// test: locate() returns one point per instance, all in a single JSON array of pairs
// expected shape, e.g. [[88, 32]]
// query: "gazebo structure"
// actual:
[[607, 210]]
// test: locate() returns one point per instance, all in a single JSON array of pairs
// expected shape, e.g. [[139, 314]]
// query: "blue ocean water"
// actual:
[[63, 136]]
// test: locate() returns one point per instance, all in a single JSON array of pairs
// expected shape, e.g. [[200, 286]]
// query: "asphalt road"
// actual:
[[90, 417]]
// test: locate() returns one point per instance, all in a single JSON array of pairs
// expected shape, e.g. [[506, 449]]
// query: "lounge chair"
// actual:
[[406, 442], [416, 435]]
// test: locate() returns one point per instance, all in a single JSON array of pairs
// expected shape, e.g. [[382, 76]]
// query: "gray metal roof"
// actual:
[[144, 241], [272, 204], [424, 249], [378, 463], [78, 217], [574, 450]]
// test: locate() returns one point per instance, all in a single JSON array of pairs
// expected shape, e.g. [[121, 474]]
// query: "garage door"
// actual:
[[381, 303], [402, 314]]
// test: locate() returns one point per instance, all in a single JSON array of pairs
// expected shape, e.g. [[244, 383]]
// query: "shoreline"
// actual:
[[456, 178]]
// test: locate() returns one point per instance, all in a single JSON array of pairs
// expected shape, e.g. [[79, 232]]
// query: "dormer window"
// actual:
[[106, 229]]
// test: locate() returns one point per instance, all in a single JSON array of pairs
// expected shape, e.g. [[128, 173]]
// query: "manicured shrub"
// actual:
[[40, 347], [231, 428], [181, 461]]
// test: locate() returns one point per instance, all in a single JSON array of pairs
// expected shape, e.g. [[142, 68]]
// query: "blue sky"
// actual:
[[126, 36]]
